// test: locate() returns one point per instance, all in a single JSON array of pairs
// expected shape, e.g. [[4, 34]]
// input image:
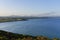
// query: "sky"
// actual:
[[30, 7]]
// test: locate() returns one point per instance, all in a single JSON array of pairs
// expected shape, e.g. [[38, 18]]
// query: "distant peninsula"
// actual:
[[20, 18], [7, 19]]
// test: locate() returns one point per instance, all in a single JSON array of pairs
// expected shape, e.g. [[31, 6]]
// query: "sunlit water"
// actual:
[[45, 27]]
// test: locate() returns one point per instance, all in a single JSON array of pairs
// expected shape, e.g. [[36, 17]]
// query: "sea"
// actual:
[[49, 27]]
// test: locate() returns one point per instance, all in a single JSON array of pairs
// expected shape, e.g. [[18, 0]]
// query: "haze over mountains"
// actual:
[[51, 14]]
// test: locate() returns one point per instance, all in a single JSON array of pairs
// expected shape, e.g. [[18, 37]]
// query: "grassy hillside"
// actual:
[[4, 35]]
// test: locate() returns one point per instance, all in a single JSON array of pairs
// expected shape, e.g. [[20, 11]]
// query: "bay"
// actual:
[[47, 27]]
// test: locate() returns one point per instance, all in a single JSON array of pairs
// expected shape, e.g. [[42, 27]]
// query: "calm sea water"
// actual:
[[45, 27]]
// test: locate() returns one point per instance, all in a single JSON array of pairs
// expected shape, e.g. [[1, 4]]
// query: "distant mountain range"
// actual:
[[29, 17]]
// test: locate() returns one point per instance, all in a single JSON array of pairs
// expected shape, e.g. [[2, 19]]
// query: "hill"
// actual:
[[4, 35]]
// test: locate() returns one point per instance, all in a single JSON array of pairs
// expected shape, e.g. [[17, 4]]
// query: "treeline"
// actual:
[[4, 35]]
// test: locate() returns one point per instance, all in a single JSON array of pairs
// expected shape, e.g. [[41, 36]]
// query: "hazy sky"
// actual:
[[29, 7]]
